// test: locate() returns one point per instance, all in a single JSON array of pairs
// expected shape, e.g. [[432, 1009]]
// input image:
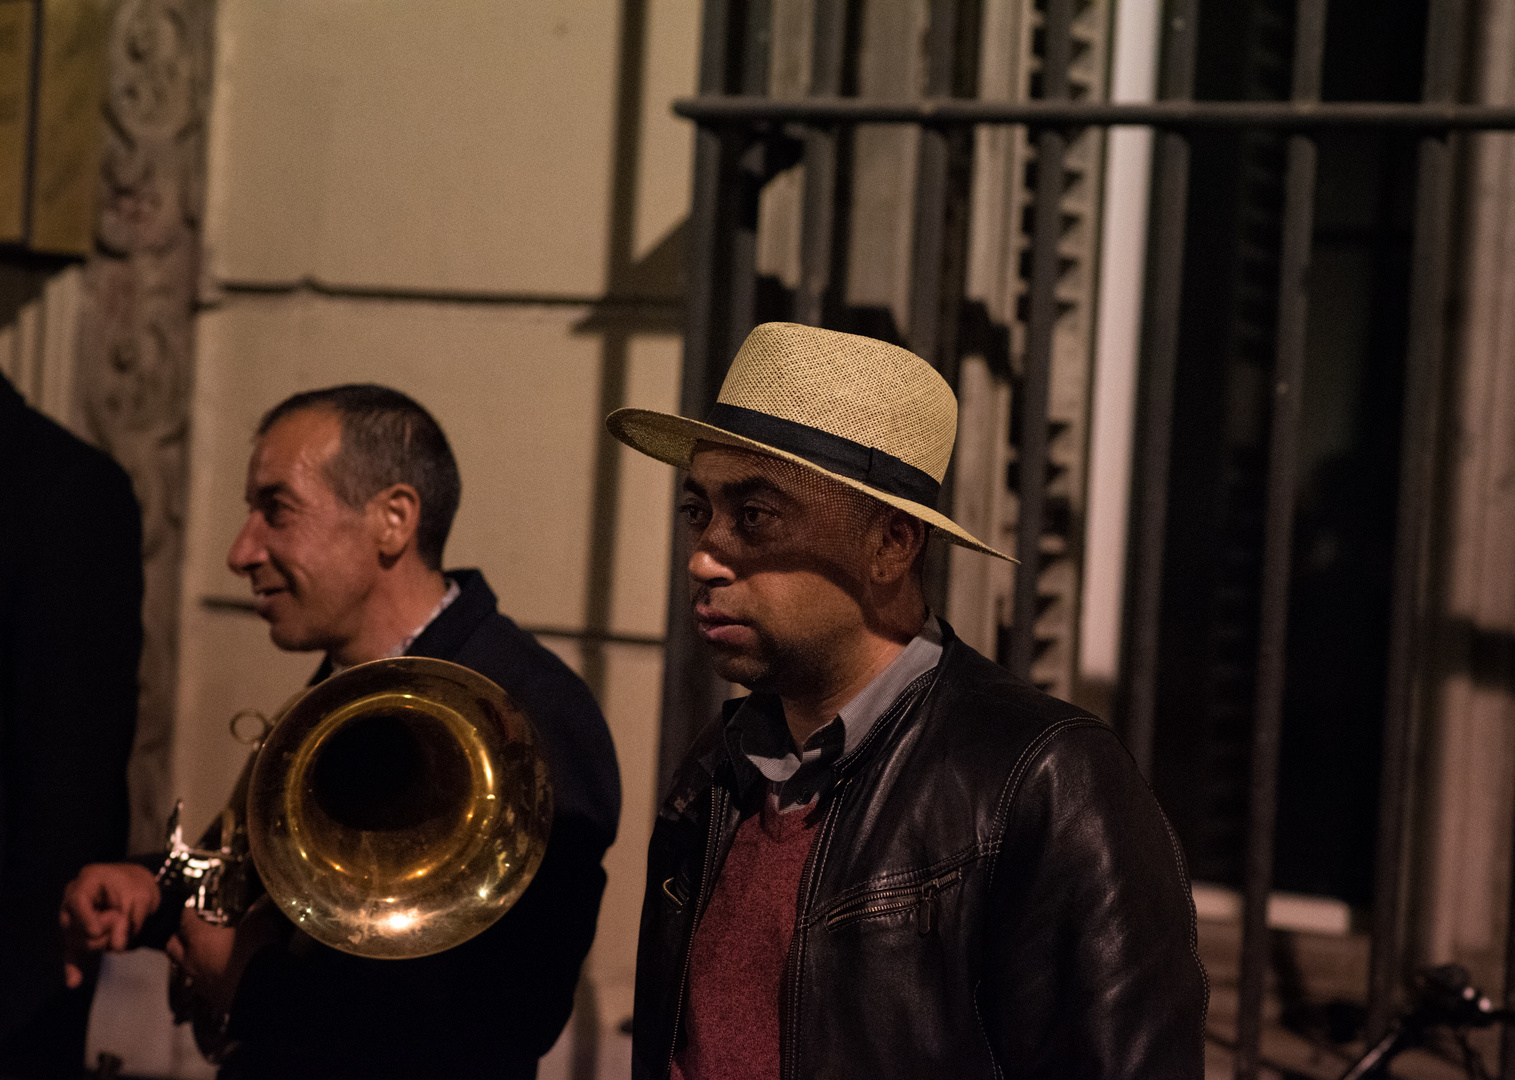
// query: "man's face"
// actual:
[[778, 558], [312, 560]]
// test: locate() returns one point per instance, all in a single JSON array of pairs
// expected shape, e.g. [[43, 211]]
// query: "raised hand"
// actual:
[[103, 908]]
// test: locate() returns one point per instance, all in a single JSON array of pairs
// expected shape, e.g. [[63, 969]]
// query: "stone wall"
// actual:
[[1470, 728], [135, 365]]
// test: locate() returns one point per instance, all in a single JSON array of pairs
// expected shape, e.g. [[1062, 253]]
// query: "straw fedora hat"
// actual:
[[868, 414]]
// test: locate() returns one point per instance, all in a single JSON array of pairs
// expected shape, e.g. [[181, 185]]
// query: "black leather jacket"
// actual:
[[992, 892]]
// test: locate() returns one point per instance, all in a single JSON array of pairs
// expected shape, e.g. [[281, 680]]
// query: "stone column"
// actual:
[[136, 340], [1471, 733]]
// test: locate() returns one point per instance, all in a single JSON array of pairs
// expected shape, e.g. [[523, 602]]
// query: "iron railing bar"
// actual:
[[1162, 307], [691, 692], [818, 213], [1278, 541], [1041, 330], [931, 193], [216, 290], [1507, 1036], [1430, 269], [754, 173], [715, 109], [940, 227]]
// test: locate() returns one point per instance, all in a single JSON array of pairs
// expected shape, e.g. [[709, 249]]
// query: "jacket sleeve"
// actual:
[[70, 639], [1093, 968]]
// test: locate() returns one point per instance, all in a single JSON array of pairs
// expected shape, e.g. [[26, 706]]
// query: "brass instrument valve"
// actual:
[[213, 879]]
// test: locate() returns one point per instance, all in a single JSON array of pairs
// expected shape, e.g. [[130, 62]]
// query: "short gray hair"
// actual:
[[387, 438]]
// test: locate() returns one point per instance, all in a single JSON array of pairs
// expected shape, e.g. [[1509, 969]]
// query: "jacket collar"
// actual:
[[712, 762], [912, 702], [450, 630], [761, 748], [447, 633]]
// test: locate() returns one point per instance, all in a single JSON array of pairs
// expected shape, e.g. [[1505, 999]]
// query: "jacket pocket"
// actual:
[[922, 896], [677, 889]]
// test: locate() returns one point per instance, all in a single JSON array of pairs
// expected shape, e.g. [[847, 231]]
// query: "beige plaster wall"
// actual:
[[461, 144]]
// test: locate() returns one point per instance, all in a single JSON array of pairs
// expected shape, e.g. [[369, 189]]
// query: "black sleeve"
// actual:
[[1093, 969], [158, 927], [70, 619], [547, 934]]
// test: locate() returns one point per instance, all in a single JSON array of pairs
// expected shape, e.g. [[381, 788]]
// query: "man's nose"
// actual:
[[247, 549], [707, 569]]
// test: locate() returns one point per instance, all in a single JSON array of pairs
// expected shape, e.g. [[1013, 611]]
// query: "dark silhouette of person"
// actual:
[[70, 642]]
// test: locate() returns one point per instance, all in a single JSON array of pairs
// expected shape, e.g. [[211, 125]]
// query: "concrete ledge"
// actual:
[[1286, 910]]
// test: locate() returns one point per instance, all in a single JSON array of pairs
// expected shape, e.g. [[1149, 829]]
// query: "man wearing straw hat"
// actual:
[[892, 859]]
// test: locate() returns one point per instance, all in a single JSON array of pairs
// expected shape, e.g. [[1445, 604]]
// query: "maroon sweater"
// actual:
[[736, 969]]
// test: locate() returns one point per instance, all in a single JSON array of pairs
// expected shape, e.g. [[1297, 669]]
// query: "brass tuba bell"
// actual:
[[394, 810]]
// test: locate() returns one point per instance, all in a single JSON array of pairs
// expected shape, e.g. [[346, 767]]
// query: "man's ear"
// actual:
[[902, 537], [395, 514]]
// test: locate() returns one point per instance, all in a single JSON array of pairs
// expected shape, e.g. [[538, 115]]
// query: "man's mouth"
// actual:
[[720, 629], [263, 596]]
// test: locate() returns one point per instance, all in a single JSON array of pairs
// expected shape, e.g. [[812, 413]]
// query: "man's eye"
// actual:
[[694, 514], [754, 517]]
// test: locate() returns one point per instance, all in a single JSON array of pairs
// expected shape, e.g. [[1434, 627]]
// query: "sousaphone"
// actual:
[[394, 810]]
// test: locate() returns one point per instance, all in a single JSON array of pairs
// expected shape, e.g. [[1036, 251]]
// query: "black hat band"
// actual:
[[834, 453]]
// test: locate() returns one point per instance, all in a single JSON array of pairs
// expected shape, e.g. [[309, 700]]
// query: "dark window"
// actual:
[[1349, 452]]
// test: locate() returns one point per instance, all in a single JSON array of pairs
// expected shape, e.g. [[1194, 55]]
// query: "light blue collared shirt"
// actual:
[[761, 746]]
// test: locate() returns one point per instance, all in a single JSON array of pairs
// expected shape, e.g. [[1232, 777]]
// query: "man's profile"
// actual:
[[351, 492], [892, 859]]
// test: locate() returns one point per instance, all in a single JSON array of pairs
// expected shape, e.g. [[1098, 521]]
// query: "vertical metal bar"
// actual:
[[819, 209], [931, 191], [1507, 1035], [691, 693], [940, 234], [961, 81], [30, 121], [1154, 429], [1429, 272], [1041, 330], [605, 504], [711, 217], [752, 79], [1278, 540]]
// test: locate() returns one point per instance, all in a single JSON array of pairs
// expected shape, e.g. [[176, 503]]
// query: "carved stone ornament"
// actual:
[[136, 343]]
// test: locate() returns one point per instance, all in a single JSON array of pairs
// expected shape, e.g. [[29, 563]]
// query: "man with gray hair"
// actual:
[[351, 492], [892, 859]]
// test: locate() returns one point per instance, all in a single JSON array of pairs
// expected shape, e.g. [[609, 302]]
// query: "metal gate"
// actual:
[[746, 137]]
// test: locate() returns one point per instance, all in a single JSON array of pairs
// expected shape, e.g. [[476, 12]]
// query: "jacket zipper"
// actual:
[[925, 913], [788, 1036], [920, 897], [788, 1033], [718, 799]]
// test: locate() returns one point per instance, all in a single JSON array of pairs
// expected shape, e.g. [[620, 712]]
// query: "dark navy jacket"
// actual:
[[493, 1005]]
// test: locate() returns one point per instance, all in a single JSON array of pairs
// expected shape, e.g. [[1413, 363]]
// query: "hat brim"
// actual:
[[672, 439]]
